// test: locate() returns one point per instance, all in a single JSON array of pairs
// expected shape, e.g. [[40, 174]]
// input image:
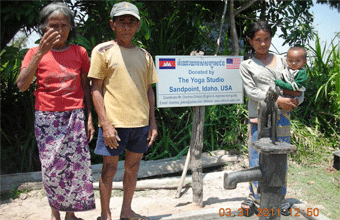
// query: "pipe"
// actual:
[[248, 175]]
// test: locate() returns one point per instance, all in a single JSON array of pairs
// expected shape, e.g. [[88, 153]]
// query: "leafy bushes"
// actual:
[[316, 125], [18, 146]]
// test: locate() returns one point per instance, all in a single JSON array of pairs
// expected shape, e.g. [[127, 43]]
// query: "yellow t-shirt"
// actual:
[[126, 74]]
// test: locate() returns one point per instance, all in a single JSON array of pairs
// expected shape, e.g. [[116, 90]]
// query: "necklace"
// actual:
[[61, 50]]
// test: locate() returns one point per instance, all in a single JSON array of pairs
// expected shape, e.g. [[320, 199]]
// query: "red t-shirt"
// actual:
[[58, 78]]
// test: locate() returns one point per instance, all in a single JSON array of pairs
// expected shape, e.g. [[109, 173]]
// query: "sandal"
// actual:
[[250, 202], [286, 208]]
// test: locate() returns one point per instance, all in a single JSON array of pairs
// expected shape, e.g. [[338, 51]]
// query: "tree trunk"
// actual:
[[221, 26], [196, 146], [233, 32], [263, 10], [232, 14]]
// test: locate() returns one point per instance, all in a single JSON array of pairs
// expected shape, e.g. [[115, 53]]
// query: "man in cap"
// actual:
[[122, 74]]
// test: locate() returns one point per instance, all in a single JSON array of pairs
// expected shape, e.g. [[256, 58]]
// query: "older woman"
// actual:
[[258, 74], [62, 94]]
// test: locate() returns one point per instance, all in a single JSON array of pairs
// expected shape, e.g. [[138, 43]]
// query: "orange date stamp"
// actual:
[[296, 212]]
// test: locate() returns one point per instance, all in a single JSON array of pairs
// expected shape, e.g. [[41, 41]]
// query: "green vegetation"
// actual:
[[225, 125], [315, 131], [18, 146], [315, 128], [15, 193]]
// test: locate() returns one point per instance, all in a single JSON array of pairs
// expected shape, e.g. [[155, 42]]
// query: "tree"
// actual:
[[20, 40], [179, 29], [294, 20], [331, 3], [168, 27], [233, 13], [291, 17], [19, 15]]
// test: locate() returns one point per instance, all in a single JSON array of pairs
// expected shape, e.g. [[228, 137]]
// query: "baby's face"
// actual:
[[296, 59]]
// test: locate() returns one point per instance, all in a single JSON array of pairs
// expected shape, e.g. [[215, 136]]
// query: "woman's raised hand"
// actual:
[[49, 39], [26, 75]]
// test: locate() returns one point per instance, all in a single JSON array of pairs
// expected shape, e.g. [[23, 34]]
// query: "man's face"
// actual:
[[125, 27], [296, 59]]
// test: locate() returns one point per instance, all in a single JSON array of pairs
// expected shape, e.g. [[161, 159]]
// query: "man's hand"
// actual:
[[90, 130], [110, 136], [152, 134]]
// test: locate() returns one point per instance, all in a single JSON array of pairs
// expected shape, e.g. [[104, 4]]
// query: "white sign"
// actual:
[[198, 80]]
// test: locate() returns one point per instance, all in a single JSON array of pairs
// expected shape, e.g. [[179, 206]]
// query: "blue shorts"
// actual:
[[133, 139]]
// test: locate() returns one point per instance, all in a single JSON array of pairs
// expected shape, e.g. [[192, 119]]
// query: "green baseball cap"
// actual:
[[124, 8]]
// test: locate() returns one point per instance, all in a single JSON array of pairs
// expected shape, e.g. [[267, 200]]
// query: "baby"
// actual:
[[294, 78]]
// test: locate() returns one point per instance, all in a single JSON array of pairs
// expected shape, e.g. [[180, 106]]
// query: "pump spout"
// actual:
[[249, 175]]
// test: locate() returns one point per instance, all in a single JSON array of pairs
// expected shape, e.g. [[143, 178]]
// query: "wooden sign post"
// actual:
[[198, 81], [195, 153], [196, 144], [196, 147]]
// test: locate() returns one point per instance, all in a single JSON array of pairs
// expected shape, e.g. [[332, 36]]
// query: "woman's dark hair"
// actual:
[[257, 26], [50, 9]]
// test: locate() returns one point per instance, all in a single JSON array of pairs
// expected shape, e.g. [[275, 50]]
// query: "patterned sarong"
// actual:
[[65, 159]]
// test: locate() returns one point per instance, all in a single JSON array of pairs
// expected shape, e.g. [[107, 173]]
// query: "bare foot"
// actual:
[[106, 216], [253, 120], [248, 203], [70, 216], [131, 215], [55, 215], [243, 206]]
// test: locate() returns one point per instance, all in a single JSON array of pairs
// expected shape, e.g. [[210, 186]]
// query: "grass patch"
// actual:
[[318, 185], [117, 193], [14, 194], [10, 195]]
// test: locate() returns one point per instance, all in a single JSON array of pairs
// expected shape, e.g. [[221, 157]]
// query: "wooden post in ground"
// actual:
[[196, 146], [195, 152]]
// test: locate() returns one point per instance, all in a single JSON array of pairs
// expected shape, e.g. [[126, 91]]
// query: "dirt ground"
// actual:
[[152, 203]]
